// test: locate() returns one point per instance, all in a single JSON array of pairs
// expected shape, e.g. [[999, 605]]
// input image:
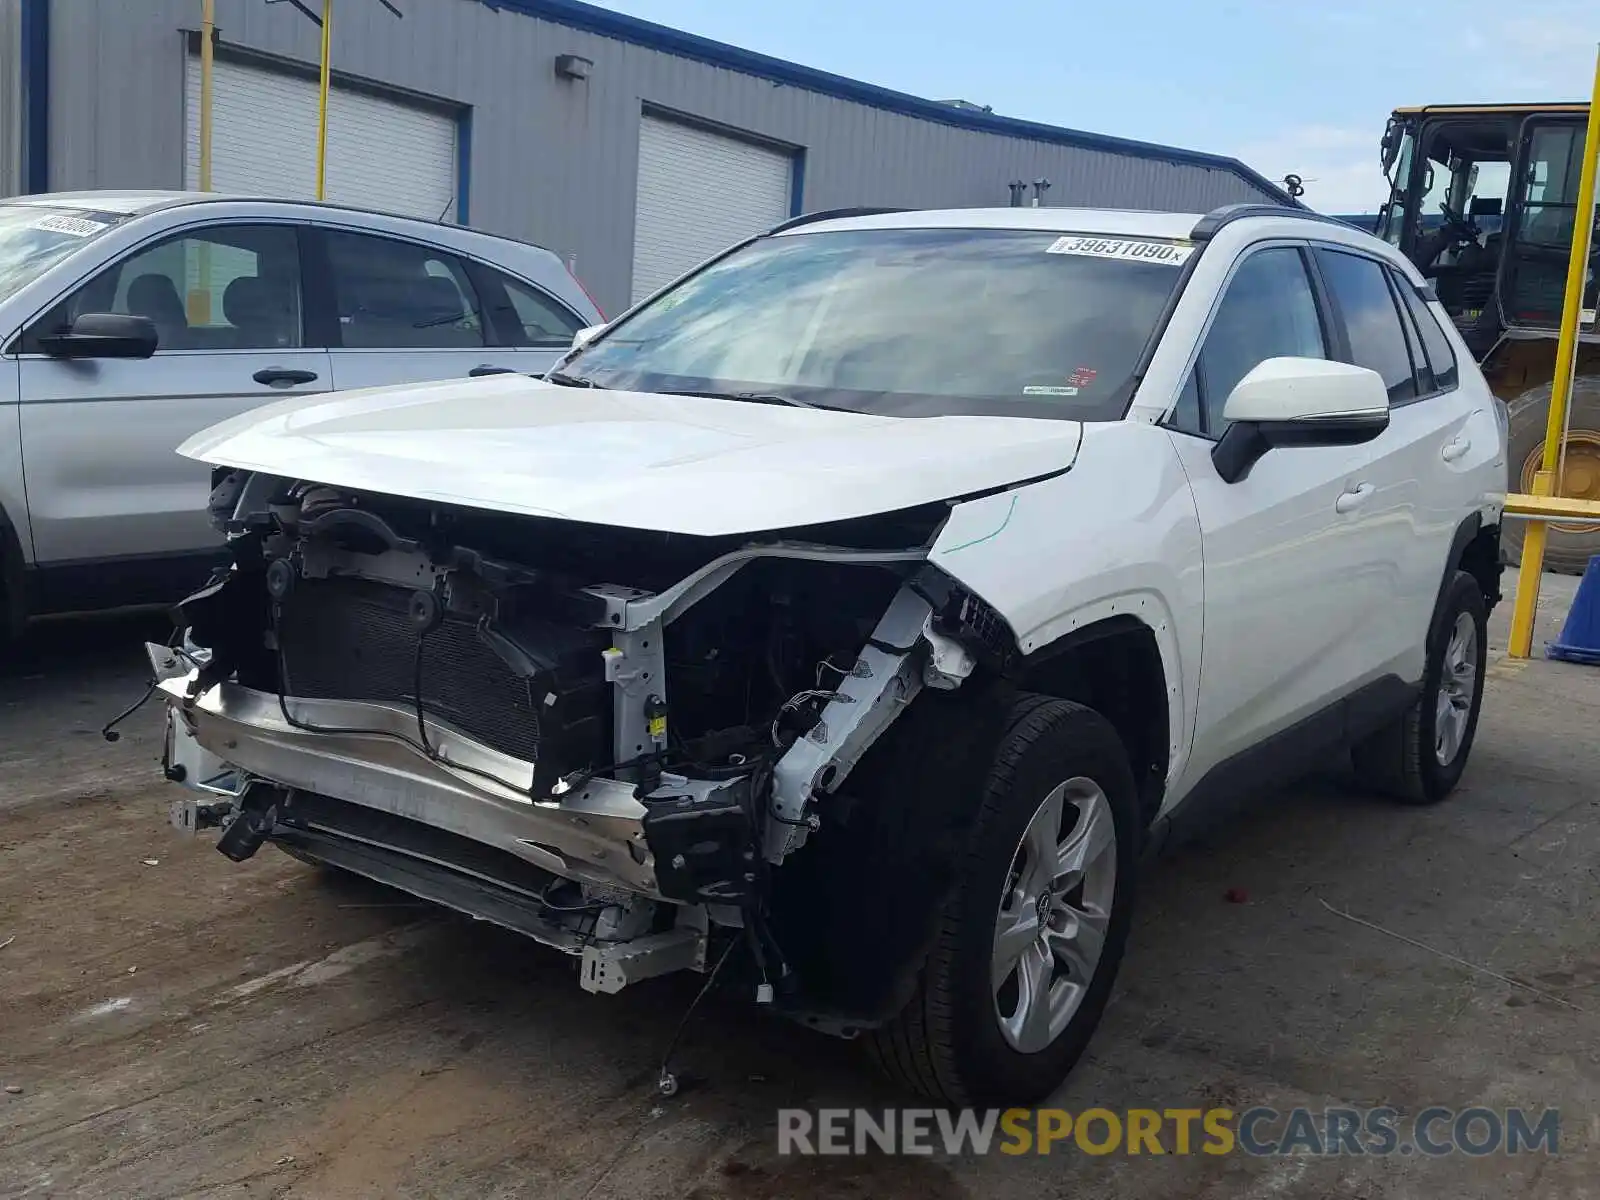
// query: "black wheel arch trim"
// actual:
[[1150, 755], [13, 582], [1468, 532]]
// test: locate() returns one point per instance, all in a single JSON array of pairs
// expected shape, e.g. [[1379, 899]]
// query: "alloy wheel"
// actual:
[[1051, 926], [1458, 680]]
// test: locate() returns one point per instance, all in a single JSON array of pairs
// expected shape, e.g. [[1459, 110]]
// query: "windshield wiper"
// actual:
[[752, 398], [566, 380], [774, 398]]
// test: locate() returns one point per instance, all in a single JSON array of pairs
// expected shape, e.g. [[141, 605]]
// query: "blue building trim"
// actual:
[[464, 167], [797, 184], [35, 95], [687, 45]]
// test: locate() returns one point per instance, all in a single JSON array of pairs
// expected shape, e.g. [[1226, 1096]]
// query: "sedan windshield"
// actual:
[[33, 238], [905, 322]]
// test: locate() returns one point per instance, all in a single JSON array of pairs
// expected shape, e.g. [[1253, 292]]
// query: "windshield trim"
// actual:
[[1158, 331]]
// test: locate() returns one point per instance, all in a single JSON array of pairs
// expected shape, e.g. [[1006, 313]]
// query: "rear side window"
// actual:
[[1441, 356], [536, 319], [1377, 339], [402, 296]]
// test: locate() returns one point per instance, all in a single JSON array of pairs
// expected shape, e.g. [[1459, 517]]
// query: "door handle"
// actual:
[[273, 376], [1455, 448], [1354, 498], [489, 369]]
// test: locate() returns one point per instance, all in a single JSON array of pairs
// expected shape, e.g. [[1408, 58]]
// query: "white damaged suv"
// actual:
[[851, 617]]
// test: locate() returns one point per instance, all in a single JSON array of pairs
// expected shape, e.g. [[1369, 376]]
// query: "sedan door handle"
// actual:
[[489, 369], [1455, 448], [1354, 498], [275, 376]]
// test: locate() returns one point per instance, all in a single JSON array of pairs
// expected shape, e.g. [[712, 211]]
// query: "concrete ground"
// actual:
[[178, 1026]]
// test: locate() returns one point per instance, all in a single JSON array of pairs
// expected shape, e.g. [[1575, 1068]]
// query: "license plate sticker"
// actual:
[[1163, 254], [72, 226]]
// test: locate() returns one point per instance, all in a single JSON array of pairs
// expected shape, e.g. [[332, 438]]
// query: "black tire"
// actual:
[[1566, 551], [13, 602], [947, 1044], [1401, 760]]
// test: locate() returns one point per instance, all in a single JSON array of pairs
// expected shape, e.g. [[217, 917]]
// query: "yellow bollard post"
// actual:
[[322, 101], [200, 295], [1527, 603], [208, 27]]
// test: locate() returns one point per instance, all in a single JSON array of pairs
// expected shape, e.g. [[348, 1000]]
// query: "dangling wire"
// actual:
[[109, 729], [667, 1082]]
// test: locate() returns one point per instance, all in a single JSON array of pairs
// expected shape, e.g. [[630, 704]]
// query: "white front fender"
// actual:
[[1117, 535]]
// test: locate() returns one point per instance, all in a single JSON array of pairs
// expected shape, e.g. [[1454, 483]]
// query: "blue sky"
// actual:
[[1282, 84]]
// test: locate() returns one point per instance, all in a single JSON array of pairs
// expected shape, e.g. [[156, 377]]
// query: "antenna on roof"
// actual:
[[326, 22]]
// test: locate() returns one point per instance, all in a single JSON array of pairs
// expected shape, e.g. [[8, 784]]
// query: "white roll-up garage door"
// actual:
[[382, 154], [699, 192]]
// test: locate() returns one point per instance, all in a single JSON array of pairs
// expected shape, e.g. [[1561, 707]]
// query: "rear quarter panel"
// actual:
[[1117, 534]]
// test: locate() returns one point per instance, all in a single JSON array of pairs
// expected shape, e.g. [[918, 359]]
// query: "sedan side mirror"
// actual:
[[1299, 402], [586, 335], [103, 335]]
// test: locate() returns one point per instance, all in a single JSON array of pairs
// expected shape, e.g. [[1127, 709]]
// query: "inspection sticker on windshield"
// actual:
[[74, 226], [1039, 389], [1165, 254]]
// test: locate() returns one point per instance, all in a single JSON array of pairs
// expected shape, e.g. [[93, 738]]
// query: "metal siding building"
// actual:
[[539, 155], [11, 93]]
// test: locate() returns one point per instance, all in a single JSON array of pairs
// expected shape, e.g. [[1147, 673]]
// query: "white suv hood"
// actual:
[[677, 464]]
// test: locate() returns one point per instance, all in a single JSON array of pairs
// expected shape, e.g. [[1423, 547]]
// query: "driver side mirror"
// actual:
[[103, 335], [1298, 402], [586, 335]]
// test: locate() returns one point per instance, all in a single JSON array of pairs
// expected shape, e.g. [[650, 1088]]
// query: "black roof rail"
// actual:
[[1208, 226], [832, 214]]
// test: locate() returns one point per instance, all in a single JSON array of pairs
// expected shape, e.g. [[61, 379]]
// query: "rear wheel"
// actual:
[[1029, 943], [1568, 545], [1419, 758]]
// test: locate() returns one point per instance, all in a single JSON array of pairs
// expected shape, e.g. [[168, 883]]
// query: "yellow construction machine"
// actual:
[[1484, 200]]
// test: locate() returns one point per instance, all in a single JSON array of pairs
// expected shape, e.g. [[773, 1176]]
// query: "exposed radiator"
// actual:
[[348, 639]]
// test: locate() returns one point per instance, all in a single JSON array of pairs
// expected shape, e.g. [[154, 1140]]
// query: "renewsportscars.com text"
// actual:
[[1260, 1132]]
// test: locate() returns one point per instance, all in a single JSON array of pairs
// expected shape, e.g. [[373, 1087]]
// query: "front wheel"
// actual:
[[1029, 942]]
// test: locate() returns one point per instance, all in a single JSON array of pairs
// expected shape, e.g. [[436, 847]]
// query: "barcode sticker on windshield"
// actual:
[[1164, 254], [75, 226]]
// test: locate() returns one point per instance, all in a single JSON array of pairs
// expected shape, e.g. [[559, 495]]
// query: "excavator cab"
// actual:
[[1483, 200]]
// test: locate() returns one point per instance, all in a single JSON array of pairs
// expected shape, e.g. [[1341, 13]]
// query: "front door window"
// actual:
[[227, 287]]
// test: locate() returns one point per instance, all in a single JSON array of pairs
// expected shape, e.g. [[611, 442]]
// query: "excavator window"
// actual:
[[1462, 180], [1545, 217], [1485, 204]]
